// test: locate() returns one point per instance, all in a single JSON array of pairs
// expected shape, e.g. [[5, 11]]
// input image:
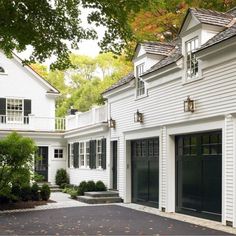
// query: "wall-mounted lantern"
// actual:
[[189, 105], [138, 117], [111, 123]]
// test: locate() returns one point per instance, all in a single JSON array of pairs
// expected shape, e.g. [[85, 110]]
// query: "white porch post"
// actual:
[[228, 171]]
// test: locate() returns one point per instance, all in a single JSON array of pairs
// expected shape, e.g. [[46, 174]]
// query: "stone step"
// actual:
[[98, 200], [102, 194]]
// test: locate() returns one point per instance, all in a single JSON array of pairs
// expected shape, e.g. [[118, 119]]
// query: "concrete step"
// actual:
[[98, 200], [53, 187], [102, 194]]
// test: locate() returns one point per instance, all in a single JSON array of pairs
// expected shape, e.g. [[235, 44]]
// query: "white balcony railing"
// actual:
[[32, 122], [94, 116]]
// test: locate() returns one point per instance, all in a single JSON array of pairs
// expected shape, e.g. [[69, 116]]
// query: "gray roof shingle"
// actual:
[[223, 35], [172, 51], [212, 17], [125, 80], [157, 48]]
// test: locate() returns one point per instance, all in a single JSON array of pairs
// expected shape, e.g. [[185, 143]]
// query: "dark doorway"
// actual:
[[114, 163], [199, 174], [145, 171], [41, 162]]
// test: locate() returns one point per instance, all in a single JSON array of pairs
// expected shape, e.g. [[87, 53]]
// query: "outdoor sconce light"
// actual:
[[189, 105], [111, 123], [138, 117]]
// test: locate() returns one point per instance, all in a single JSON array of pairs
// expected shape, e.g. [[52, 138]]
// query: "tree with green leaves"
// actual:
[[16, 160], [52, 28]]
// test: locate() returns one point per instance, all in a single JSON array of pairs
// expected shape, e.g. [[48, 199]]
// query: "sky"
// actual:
[[86, 47]]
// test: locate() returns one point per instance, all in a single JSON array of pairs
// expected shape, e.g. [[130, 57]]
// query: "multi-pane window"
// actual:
[[191, 61], [81, 153], [99, 153], [58, 153], [140, 85], [87, 154], [14, 110]]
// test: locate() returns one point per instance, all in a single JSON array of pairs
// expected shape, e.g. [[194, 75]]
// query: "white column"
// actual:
[[228, 171]]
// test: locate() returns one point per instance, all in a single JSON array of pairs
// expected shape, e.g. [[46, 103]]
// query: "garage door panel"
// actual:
[[199, 173], [153, 180], [145, 171], [191, 170]]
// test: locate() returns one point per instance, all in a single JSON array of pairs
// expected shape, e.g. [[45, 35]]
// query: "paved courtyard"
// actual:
[[95, 220]]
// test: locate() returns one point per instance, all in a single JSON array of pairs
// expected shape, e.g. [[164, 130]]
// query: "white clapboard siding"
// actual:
[[229, 167], [78, 175]]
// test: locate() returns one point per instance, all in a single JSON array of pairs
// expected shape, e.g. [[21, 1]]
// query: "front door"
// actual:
[[114, 162], [41, 162], [199, 174], [145, 171]]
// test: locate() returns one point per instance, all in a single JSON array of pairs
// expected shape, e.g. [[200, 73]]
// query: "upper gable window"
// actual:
[[140, 85], [191, 61]]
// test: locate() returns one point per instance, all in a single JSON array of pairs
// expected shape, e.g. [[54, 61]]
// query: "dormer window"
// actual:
[[140, 85], [191, 61]]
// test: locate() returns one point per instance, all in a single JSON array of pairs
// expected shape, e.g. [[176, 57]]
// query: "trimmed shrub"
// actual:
[[45, 192], [91, 186], [79, 192], [35, 191], [100, 186], [62, 178], [25, 193], [73, 193], [83, 187]]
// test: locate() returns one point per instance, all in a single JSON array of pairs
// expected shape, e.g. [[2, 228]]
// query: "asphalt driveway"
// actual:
[[96, 220]]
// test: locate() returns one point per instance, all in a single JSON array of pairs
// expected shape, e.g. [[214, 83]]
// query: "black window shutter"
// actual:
[[68, 152], [27, 110], [3, 106], [104, 152], [2, 110], [92, 156], [76, 155]]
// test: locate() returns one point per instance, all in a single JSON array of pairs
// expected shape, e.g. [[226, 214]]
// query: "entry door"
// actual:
[[199, 174], [41, 163], [114, 161], [145, 171]]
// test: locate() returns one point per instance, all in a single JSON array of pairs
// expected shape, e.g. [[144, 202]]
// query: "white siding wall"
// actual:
[[78, 175], [214, 95], [20, 83], [229, 160]]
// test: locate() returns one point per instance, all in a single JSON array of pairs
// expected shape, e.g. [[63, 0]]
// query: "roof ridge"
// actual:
[[158, 43]]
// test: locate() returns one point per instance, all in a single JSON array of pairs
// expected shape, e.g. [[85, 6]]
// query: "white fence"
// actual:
[[94, 116], [32, 122]]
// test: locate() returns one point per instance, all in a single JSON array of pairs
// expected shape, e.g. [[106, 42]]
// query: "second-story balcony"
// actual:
[[32, 123], [82, 119]]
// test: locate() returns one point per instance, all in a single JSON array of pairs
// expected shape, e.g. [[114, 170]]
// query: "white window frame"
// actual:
[[87, 153], [58, 153], [16, 119], [141, 90], [82, 154], [71, 155], [99, 153], [191, 63]]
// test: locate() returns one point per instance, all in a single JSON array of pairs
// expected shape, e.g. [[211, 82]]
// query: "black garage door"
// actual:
[[199, 174], [145, 171]]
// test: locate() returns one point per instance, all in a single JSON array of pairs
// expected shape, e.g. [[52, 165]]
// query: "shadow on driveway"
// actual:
[[94, 220]]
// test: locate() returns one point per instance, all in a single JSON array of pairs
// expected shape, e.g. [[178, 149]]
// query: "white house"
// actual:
[[175, 120], [27, 105], [166, 135]]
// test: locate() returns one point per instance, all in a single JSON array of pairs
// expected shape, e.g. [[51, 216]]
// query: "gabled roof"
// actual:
[[125, 80], [210, 17], [157, 48], [174, 56], [222, 36], [52, 89]]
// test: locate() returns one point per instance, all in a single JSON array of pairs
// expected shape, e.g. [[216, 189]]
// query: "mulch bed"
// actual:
[[23, 205]]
